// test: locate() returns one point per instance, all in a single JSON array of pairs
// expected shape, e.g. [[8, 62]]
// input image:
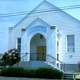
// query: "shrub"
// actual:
[[57, 74], [30, 73], [10, 57], [13, 72], [47, 73], [18, 72]]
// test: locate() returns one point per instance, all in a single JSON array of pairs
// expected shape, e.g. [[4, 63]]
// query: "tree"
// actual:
[[11, 57]]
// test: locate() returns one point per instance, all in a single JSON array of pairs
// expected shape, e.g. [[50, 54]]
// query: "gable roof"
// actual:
[[38, 20], [61, 12]]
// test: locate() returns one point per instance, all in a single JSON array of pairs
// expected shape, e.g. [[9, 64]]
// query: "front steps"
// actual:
[[36, 64], [32, 64], [68, 76]]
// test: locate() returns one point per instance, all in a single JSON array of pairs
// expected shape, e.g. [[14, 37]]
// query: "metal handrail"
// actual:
[[23, 56], [54, 61]]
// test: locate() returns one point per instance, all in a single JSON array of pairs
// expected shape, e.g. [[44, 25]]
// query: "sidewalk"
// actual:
[[16, 78]]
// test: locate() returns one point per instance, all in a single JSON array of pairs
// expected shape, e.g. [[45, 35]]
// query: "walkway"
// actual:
[[14, 78]]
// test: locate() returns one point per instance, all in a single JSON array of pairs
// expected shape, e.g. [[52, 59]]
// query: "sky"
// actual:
[[14, 6]]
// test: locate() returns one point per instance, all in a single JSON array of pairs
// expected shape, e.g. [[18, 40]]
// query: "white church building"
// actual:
[[47, 36]]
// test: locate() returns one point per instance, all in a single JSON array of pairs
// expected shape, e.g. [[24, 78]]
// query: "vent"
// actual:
[[53, 27], [23, 29]]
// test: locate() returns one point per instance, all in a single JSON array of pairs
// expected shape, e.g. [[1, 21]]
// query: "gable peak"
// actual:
[[44, 0]]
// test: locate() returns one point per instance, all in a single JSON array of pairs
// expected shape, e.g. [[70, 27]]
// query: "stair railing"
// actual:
[[52, 61], [24, 56]]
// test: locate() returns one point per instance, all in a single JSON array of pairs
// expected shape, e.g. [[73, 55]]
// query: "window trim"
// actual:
[[18, 44], [67, 42]]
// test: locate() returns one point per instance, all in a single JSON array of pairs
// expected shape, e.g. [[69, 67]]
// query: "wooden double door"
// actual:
[[41, 53]]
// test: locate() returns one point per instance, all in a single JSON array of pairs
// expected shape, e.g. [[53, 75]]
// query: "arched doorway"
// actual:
[[38, 47]]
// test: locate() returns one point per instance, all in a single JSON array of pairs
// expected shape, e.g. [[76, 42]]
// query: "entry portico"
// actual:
[[39, 39]]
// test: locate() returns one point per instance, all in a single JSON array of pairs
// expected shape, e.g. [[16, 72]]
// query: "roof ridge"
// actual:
[[61, 12]]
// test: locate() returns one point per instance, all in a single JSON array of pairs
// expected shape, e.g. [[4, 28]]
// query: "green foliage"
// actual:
[[32, 73], [48, 73], [13, 72], [11, 57], [57, 74]]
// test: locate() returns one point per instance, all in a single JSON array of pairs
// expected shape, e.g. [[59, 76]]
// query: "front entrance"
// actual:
[[41, 53], [38, 48]]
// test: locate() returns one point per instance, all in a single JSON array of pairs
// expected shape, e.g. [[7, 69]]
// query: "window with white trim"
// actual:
[[19, 45], [70, 43]]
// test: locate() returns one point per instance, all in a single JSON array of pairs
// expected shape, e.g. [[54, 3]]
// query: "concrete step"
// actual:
[[35, 64], [68, 76], [32, 64]]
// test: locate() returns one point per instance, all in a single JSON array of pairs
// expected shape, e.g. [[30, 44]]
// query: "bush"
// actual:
[[47, 73], [10, 57], [30, 73], [18, 72], [57, 74], [13, 72]]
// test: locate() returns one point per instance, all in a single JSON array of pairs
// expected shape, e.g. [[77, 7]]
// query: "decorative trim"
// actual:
[[37, 28]]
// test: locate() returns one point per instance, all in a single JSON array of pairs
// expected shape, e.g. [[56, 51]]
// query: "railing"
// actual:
[[24, 56], [50, 60], [33, 56], [55, 63]]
